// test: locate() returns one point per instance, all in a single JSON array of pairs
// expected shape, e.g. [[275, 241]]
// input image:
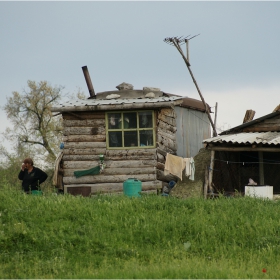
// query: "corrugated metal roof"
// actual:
[[250, 123], [95, 102], [269, 138]]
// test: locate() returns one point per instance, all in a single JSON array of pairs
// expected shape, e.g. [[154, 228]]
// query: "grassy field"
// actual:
[[61, 236]]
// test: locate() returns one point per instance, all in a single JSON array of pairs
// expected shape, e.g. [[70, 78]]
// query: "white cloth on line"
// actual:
[[174, 165], [190, 168]]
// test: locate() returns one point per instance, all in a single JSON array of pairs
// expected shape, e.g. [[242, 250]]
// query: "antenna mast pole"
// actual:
[[176, 42]]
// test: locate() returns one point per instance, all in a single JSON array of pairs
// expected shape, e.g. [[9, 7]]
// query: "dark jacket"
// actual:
[[31, 181]]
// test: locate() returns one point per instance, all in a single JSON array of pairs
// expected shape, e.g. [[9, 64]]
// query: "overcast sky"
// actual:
[[235, 59]]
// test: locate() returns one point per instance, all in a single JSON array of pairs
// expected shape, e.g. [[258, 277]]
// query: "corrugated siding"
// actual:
[[192, 126], [270, 138]]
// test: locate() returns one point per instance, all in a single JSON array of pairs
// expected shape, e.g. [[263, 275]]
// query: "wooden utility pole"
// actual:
[[176, 42]]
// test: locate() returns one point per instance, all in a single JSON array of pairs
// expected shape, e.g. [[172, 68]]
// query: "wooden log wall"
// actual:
[[85, 139], [166, 141], [272, 124]]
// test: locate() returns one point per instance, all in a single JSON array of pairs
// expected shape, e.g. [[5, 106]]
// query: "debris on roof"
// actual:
[[124, 86], [249, 115]]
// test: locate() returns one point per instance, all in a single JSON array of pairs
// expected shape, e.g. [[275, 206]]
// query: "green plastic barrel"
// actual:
[[132, 187]]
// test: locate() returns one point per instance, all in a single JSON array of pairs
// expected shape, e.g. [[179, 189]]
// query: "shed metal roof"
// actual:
[[94, 102], [268, 138], [250, 123], [79, 103]]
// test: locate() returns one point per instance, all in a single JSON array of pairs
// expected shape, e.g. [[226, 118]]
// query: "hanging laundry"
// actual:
[[174, 165], [190, 168]]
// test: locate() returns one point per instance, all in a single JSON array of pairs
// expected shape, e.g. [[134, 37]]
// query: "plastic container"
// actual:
[[171, 184], [259, 191], [132, 187], [36, 192]]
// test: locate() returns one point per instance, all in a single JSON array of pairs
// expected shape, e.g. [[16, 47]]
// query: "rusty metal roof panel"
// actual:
[[268, 138], [192, 103], [94, 102]]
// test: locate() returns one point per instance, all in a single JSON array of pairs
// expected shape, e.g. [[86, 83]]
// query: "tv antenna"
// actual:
[[177, 42]]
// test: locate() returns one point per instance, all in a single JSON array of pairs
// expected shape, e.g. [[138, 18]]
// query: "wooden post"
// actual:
[[205, 187], [200, 94], [261, 173], [211, 170], [215, 119]]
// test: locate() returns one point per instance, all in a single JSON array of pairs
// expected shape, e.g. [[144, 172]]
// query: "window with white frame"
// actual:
[[130, 129]]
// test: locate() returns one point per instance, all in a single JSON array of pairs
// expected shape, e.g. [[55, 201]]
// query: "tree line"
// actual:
[[34, 131]]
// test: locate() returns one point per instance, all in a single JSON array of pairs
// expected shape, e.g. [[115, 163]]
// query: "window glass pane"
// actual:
[[146, 138], [115, 138], [145, 119], [130, 139], [130, 120], [114, 120]]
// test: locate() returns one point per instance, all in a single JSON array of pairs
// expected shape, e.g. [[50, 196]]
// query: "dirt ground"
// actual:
[[188, 188]]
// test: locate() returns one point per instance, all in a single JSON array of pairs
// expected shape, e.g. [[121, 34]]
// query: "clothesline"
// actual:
[[248, 162]]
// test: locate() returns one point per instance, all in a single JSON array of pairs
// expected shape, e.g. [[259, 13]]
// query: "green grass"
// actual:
[[61, 236]]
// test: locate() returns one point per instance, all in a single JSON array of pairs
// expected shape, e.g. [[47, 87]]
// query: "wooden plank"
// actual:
[[130, 152], [165, 178], [98, 130], [261, 170], [169, 112], [83, 115], [133, 157], [84, 145], [166, 134], [84, 138], [169, 120], [119, 107], [166, 126], [262, 129], [162, 149], [161, 158], [86, 123], [88, 151], [249, 115], [248, 149], [205, 186], [168, 143], [96, 157], [117, 187], [84, 165], [106, 179], [160, 166], [131, 171], [210, 178], [81, 157]]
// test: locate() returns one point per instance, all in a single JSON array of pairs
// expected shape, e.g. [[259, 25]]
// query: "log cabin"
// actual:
[[133, 130]]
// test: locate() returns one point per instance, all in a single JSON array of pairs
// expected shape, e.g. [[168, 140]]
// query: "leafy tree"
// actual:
[[35, 131]]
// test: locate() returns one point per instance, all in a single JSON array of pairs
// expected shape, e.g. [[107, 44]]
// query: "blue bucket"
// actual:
[[132, 187], [171, 184]]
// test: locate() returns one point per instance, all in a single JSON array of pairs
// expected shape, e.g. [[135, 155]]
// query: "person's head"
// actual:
[[28, 162]]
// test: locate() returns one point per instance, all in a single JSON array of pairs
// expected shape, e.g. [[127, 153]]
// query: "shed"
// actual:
[[134, 130], [248, 151]]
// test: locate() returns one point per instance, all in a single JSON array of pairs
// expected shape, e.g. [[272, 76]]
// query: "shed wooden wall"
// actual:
[[271, 124], [85, 140], [166, 141]]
